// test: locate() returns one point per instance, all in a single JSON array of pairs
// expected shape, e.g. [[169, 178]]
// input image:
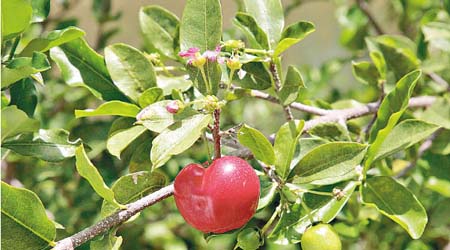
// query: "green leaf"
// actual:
[[354, 26], [15, 121], [51, 145], [41, 8], [440, 143], [257, 77], [438, 35], [269, 15], [331, 131], [157, 20], [366, 72], [22, 67], [404, 135], [107, 242], [292, 35], [110, 108], [91, 67], [398, 53], [396, 202], [16, 17], [53, 39], [438, 174], [25, 224], [292, 84], [150, 96], [257, 143], [132, 187], [88, 171], [256, 36], [130, 70], [293, 222], [212, 73], [118, 141], [156, 117], [69, 73], [268, 192], [285, 144], [380, 63], [174, 82], [24, 96], [329, 163], [177, 138], [438, 113], [201, 25], [390, 110]]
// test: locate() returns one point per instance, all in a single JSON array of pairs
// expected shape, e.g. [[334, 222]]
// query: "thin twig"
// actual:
[[277, 82], [216, 134], [118, 218], [362, 4]]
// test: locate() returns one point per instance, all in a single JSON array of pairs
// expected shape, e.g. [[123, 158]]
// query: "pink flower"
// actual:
[[213, 55], [172, 107], [189, 53]]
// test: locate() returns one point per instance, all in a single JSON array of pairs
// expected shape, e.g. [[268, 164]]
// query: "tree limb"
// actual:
[[133, 208]]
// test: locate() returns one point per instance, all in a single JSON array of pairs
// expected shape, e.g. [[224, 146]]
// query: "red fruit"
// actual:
[[220, 198]]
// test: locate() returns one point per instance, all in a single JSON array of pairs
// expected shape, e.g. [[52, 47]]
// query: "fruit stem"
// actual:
[[270, 221], [216, 134]]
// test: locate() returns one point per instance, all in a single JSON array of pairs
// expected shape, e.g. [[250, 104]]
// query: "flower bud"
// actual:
[[233, 63], [174, 107]]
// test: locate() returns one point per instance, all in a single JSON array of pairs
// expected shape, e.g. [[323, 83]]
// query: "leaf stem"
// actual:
[[277, 85], [258, 51], [14, 47], [271, 220], [205, 79]]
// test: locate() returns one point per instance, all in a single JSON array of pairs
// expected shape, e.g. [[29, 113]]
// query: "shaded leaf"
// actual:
[[438, 35], [25, 224], [365, 72], [291, 86], [286, 141], [41, 8], [130, 70], [118, 141], [167, 84], [268, 192], [293, 34], [257, 143], [257, 77], [150, 96], [213, 75], [157, 20], [331, 131], [329, 163], [110, 108], [24, 96], [107, 242], [21, 67], [49, 145], [396, 202], [438, 113], [256, 36], [15, 121], [354, 26], [177, 138], [88, 171], [53, 39]]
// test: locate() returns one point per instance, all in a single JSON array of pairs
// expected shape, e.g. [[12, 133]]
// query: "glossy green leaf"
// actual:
[[52, 39], [69, 73], [91, 67], [257, 143], [118, 141], [391, 109], [15, 121], [286, 141], [49, 145], [438, 113], [88, 171], [157, 20], [22, 67], [41, 8], [308, 144], [329, 163], [398, 53], [291, 86], [24, 96], [201, 25], [150, 96], [25, 224], [16, 17], [167, 84], [177, 138], [268, 191], [257, 76], [365, 72], [294, 221], [380, 63], [132, 187], [293, 34], [404, 135], [396, 202], [438, 35], [269, 15], [256, 36], [110, 108], [331, 131], [156, 117], [130, 70]]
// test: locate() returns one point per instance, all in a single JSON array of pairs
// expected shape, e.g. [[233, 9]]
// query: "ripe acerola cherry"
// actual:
[[321, 237], [219, 198]]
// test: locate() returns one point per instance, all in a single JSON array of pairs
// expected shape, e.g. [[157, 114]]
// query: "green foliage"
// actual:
[[22, 67], [259, 145], [16, 16]]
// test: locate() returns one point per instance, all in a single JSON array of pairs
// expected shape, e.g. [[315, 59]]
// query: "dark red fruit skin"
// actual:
[[219, 198]]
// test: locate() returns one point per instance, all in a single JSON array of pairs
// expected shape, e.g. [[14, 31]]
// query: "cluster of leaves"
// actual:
[[130, 145]]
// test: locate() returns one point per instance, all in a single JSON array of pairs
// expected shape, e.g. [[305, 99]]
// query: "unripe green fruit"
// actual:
[[250, 239], [321, 237]]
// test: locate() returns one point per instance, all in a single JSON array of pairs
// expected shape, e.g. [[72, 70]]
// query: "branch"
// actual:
[[216, 134], [133, 208], [365, 8], [277, 81], [116, 219]]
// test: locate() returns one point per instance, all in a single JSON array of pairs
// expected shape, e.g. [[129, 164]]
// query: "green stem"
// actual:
[[14, 47], [308, 211], [230, 78], [205, 79], [258, 51], [270, 221]]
